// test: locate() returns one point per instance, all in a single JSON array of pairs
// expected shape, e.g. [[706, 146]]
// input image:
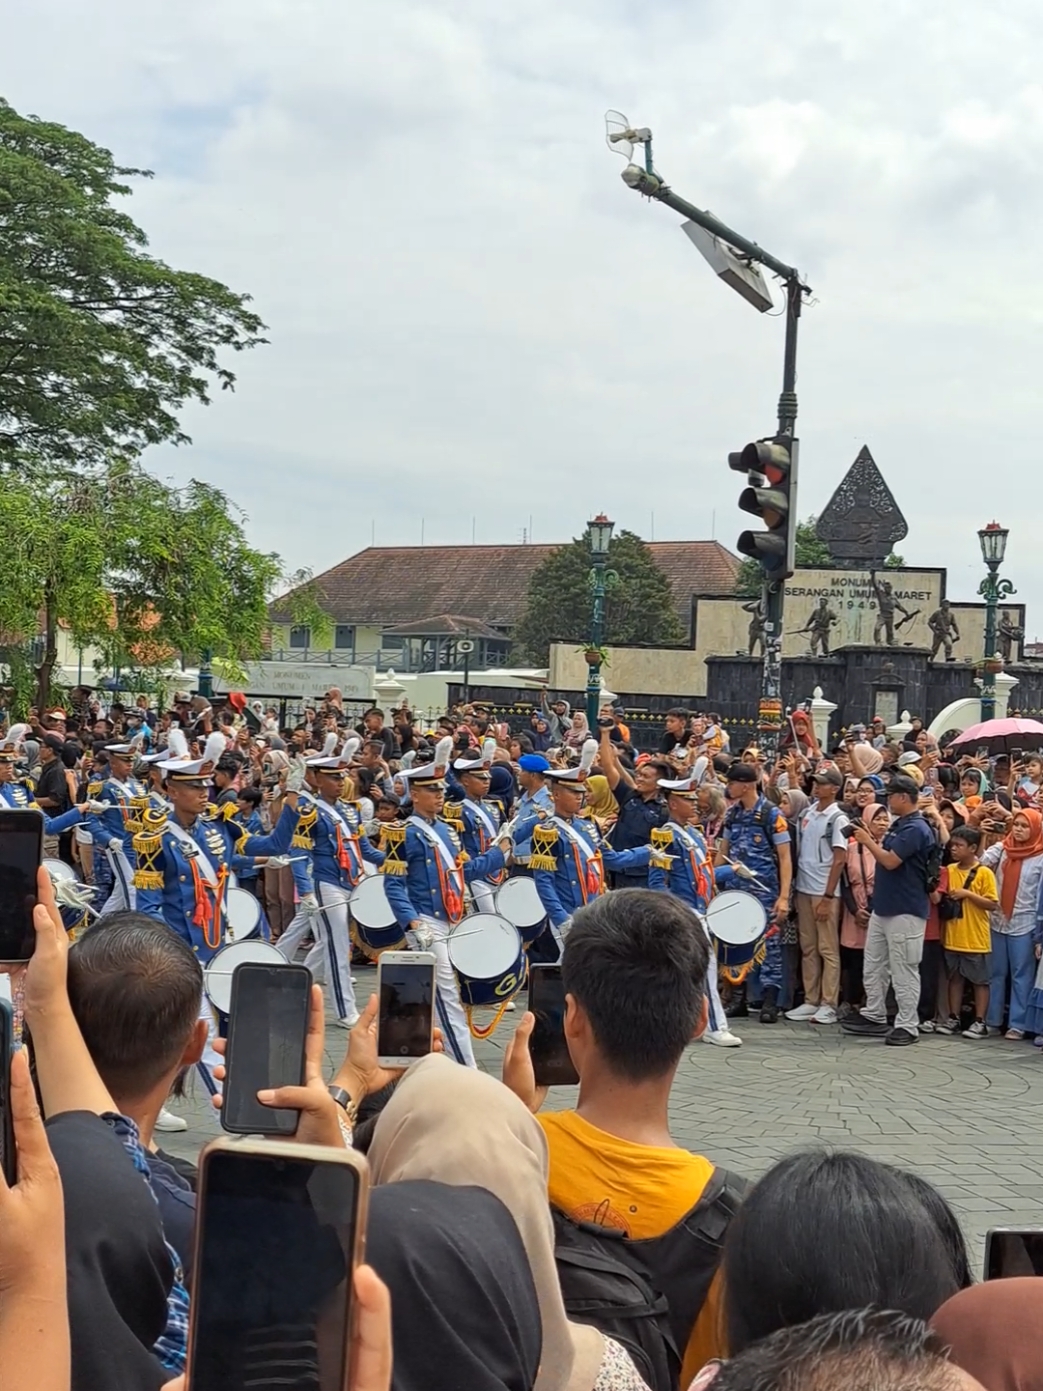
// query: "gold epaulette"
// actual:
[[302, 839], [393, 843], [661, 837], [544, 841], [229, 811], [148, 847], [453, 815], [94, 790]]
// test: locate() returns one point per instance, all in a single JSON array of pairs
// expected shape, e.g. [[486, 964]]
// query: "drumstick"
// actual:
[[736, 864]]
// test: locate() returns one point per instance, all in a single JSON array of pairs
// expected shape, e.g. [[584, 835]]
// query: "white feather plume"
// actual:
[[587, 756], [443, 752], [216, 746], [177, 744], [329, 744], [351, 747], [488, 751], [408, 758], [15, 735]]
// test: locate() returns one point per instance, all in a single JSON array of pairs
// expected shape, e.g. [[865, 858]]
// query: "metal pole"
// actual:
[[206, 680], [596, 630], [991, 590]]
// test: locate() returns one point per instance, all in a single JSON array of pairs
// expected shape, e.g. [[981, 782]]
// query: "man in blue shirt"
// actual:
[[894, 940]]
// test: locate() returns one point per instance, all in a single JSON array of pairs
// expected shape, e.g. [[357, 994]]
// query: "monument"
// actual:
[[861, 523]]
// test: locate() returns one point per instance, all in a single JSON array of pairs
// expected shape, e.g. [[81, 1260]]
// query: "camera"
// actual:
[[847, 828]]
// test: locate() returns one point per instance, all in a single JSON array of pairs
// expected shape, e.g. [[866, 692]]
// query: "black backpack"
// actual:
[[647, 1294]]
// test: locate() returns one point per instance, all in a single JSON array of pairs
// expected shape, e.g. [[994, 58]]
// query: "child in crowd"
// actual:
[[968, 888]]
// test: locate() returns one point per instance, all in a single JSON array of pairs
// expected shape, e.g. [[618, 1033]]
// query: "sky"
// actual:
[[477, 330]]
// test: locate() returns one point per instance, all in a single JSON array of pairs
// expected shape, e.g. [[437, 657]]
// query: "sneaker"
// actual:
[[900, 1038], [862, 1027], [947, 1026], [977, 1030], [1015, 1035], [509, 1005], [928, 1026], [825, 1014], [723, 1038], [169, 1123], [802, 1013], [769, 1012], [348, 1023]]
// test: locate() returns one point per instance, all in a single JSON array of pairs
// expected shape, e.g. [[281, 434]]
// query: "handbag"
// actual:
[[949, 909]]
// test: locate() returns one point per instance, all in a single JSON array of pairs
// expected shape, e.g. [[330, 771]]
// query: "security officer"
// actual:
[[18, 794], [569, 856], [642, 808], [184, 860], [477, 819], [336, 851], [756, 836], [534, 804], [689, 876], [425, 882], [113, 829]]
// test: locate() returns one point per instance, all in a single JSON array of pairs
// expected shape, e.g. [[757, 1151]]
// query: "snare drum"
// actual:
[[738, 923], [244, 916], [376, 928], [217, 977], [519, 902], [59, 870], [487, 954]]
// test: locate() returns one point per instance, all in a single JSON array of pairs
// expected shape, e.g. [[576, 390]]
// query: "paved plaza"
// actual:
[[962, 1114]]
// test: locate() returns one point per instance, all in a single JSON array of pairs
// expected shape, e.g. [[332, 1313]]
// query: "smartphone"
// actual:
[[1016, 755], [1011, 1251], [551, 1062], [280, 1228], [267, 1030], [8, 1153], [21, 848], [406, 1018]]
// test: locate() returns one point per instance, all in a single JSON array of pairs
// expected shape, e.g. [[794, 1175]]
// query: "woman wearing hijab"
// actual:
[[579, 733], [859, 873], [539, 733], [600, 802], [455, 1125], [992, 1331], [463, 1303], [1017, 862]]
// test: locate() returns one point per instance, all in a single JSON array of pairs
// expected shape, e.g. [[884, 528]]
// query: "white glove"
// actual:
[[565, 928], [425, 938], [743, 871], [308, 903], [97, 808], [295, 776]]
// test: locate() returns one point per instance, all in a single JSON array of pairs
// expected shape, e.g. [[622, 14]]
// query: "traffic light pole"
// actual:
[[773, 592]]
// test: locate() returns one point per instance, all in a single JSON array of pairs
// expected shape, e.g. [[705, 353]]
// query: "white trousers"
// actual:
[[334, 931], [301, 926], [210, 1059], [449, 1011], [123, 893], [717, 1019]]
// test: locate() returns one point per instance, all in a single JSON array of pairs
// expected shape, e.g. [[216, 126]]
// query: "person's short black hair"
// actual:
[[523, 741], [969, 834], [228, 763], [636, 961], [373, 710], [858, 1349], [54, 742], [822, 1232], [947, 1223], [388, 801], [253, 795], [135, 988], [678, 713]]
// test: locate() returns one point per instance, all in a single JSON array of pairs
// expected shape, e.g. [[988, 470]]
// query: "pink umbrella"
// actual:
[[1002, 735]]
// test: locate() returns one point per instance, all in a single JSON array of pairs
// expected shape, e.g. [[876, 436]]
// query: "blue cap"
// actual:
[[533, 763]]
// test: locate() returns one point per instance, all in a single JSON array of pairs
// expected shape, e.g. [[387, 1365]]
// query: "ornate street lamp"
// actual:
[[992, 589], [599, 537]]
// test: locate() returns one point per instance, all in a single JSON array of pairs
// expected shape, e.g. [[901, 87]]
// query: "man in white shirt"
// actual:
[[821, 855]]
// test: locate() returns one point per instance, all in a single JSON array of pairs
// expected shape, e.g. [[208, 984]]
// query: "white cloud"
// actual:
[[471, 316]]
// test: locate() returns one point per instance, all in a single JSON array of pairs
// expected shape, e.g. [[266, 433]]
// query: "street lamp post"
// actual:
[[992, 589], [599, 535], [206, 675]]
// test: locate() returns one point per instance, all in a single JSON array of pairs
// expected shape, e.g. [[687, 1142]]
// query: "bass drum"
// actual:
[[374, 925], [519, 902], [487, 954], [217, 977], [738, 924]]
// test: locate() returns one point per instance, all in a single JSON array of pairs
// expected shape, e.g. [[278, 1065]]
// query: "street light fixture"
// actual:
[[993, 540], [599, 538]]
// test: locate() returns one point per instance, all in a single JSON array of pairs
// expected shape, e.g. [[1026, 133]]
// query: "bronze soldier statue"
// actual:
[[1007, 634], [756, 629], [886, 604], [818, 625], [942, 624]]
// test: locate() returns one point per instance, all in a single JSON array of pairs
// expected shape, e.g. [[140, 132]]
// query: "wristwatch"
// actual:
[[344, 1100]]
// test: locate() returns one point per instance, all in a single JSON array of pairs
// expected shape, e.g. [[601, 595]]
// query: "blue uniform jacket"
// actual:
[[754, 838], [412, 880], [474, 835], [253, 826], [555, 871], [122, 820], [21, 797], [532, 808], [317, 836], [690, 876], [164, 880]]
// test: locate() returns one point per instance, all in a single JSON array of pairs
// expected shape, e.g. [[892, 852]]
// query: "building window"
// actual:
[[300, 636], [344, 637], [395, 645]]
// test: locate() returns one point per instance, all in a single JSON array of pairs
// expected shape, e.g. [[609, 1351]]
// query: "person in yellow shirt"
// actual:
[[968, 939], [634, 969]]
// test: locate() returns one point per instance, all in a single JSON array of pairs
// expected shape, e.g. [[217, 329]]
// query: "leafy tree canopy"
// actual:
[[100, 343], [639, 604]]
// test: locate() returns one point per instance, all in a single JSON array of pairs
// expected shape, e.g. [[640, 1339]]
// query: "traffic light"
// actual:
[[771, 469]]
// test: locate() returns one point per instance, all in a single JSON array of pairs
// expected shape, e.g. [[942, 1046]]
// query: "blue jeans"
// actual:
[[1014, 959]]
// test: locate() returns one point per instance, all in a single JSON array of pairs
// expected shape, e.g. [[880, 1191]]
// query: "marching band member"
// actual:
[[569, 856], [336, 851], [184, 860], [425, 880], [688, 874], [18, 793], [124, 799], [477, 819], [534, 804]]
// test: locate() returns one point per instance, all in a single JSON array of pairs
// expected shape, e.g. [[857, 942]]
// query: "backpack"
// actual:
[[933, 867], [647, 1294]]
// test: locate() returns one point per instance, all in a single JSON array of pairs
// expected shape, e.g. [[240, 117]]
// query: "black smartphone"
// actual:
[[8, 1153], [1012, 1251], [405, 1022], [267, 1031], [21, 847], [551, 1062], [279, 1230]]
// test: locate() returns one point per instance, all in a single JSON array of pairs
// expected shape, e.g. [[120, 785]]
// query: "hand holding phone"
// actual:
[[406, 1017], [551, 1062], [265, 1050], [1013, 1251], [21, 848]]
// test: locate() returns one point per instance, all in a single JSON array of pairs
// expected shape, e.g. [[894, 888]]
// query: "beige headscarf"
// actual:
[[453, 1124]]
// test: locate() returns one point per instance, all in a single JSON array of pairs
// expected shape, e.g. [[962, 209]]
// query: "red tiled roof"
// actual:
[[395, 585]]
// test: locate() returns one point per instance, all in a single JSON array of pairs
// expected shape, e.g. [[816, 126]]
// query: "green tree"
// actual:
[[100, 343], [639, 604], [142, 570], [811, 554]]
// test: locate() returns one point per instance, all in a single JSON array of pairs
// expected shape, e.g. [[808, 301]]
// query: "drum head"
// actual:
[[484, 946], [217, 978], [736, 918], [369, 904], [244, 914], [519, 902], [58, 869]]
